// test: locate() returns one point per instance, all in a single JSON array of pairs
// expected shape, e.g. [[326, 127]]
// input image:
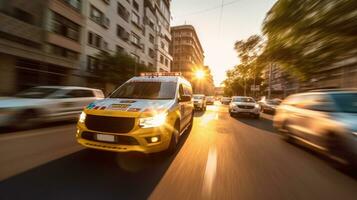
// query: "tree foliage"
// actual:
[[248, 71], [119, 67], [307, 35]]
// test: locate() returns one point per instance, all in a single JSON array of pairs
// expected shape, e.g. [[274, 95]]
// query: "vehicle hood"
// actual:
[[130, 105], [348, 119], [12, 102]]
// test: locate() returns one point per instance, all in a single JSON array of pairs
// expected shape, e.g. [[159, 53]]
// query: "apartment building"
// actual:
[[186, 50], [39, 43], [135, 27]]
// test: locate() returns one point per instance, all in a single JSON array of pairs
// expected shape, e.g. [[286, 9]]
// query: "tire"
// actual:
[[256, 116], [174, 139], [338, 152], [285, 133]]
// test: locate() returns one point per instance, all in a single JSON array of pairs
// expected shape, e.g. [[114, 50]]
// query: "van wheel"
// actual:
[[174, 139]]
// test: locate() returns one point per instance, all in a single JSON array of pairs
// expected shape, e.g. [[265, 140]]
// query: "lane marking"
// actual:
[[210, 172]]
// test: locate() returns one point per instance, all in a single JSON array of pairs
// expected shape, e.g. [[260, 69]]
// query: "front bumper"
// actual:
[[198, 105], [138, 136]]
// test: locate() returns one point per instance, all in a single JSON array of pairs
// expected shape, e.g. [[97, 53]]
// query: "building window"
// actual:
[[94, 40], [23, 16], [92, 63], [135, 39], [136, 57], [119, 49], [151, 38], [64, 27], [162, 45], [122, 34], [75, 4], [135, 18], [166, 62], [161, 59], [98, 17], [151, 53], [122, 12], [63, 52], [135, 5]]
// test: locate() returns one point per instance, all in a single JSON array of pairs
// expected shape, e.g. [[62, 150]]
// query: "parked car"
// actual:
[[325, 120], [199, 101], [44, 104], [210, 100], [269, 105], [226, 100], [244, 105]]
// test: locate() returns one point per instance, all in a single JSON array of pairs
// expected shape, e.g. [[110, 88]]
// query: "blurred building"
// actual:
[[138, 28], [40, 42], [56, 42], [186, 50]]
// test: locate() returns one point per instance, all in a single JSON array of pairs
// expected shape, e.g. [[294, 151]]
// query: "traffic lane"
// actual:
[[251, 163], [90, 174], [21, 151]]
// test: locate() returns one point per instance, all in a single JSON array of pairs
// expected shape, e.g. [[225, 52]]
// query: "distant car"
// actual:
[[269, 105], [44, 104], [210, 100], [244, 105], [226, 100], [199, 101], [325, 120]]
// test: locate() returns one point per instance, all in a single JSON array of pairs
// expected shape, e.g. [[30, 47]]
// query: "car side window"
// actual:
[[321, 103], [80, 94]]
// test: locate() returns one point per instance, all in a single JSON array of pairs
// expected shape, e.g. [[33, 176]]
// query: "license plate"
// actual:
[[105, 138], [119, 106]]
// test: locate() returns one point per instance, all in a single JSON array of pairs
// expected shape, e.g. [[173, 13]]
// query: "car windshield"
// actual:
[[347, 102], [243, 99], [146, 90], [36, 93], [197, 97]]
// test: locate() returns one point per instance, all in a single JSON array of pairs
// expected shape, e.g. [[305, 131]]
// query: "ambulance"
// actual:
[[147, 114]]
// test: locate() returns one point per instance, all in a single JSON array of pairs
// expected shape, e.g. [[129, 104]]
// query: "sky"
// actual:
[[218, 30]]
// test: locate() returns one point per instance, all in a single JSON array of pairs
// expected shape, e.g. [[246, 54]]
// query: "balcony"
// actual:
[[15, 27]]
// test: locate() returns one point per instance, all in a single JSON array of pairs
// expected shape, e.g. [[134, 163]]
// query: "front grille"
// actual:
[[109, 124], [119, 139], [245, 107]]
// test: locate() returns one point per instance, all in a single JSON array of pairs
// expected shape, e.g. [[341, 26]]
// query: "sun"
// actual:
[[200, 74]]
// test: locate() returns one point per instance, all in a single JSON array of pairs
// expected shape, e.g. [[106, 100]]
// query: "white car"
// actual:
[[44, 104], [244, 105], [199, 101]]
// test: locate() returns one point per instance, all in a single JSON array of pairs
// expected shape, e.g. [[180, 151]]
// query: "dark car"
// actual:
[[269, 105]]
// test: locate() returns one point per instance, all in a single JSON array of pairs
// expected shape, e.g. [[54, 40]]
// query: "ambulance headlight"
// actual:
[[82, 117], [154, 121]]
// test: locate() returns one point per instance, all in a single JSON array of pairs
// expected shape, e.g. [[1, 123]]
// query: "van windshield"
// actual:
[[146, 90]]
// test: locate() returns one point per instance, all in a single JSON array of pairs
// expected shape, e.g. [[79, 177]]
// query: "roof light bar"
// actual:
[[160, 74]]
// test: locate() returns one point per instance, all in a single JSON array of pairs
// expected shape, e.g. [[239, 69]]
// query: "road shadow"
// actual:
[[4, 130], [261, 123], [91, 174]]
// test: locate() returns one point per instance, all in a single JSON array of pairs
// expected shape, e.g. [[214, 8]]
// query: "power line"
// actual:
[[209, 9]]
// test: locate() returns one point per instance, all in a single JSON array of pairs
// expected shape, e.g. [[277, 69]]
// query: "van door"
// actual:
[[185, 108]]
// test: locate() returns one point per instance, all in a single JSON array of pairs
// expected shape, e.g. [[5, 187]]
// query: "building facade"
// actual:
[[186, 50], [134, 27], [56, 42], [40, 43]]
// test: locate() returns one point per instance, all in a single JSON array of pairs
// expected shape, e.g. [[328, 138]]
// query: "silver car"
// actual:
[[325, 120], [44, 104], [244, 105]]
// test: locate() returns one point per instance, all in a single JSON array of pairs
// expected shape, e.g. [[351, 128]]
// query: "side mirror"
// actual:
[[184, 98]]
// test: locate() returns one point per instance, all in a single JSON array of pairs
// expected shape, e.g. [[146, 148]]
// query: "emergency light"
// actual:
[[160, 74]]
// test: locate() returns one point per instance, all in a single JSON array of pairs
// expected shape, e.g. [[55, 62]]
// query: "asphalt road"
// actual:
[[222, 158]]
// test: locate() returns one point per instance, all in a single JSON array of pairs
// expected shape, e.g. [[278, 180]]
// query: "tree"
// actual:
[[118, 68], [307, 35], [250, 67]]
